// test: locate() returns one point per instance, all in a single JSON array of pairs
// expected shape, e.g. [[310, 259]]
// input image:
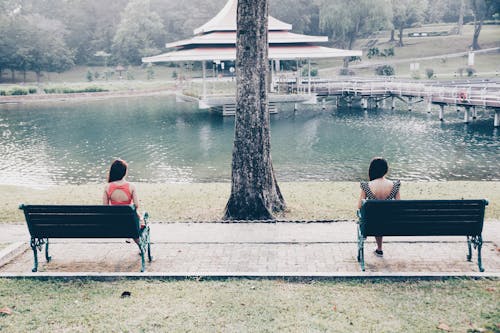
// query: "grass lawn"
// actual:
[[206, 201], [417, 47], [250, 306]]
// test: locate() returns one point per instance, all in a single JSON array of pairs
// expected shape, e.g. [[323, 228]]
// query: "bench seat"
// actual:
[[422, 218], [84, 221]]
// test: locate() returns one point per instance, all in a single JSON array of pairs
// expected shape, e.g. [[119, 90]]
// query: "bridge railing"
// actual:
[[483, 94]]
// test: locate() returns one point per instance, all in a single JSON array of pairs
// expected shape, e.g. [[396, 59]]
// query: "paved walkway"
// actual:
[[294, 249]]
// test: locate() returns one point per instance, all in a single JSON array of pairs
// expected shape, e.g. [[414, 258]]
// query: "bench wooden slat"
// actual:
[[89, 221], [422, 218]]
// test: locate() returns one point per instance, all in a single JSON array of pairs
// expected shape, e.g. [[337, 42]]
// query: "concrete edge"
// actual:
[[299, 276], [12, 251]]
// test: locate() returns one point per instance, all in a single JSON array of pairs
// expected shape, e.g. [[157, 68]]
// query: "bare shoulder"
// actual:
[[106, 187], [131, 187]]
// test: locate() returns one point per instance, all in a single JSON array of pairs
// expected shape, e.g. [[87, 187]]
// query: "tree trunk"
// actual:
[[400, 43], [477, 31], [392, 36], [13, 75], [255, 194], [461, 18]]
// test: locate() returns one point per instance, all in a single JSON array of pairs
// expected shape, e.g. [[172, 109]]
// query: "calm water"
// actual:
[[74, 143]]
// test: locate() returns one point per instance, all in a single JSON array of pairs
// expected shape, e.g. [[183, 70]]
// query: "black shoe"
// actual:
[[379, 253]]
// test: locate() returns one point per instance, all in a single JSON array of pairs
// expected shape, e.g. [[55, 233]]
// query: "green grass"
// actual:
[[250, 306], [188, 201], [418, 47], [415, 47]]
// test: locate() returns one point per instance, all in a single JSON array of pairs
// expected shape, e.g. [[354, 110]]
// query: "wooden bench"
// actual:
[[422, 218], [64, 221]]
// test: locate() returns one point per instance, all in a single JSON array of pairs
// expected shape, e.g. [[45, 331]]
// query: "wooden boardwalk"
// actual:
[[472, 93], [466, 94]]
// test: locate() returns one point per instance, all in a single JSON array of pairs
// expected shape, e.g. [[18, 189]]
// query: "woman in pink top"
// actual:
[[379, 188], [118, 191]]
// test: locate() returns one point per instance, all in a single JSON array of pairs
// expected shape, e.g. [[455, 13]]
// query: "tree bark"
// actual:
[[461, 18], [392, 36], [475, 38], [255, 194]]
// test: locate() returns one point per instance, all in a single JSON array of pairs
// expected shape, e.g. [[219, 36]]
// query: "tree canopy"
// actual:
[[51, 35], [140, 33], [405, 14], [347, 20]]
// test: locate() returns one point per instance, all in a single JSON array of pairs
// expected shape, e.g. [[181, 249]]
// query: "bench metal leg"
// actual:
[[479, 246], [35, 254], [361, 254], [145, 245], [47, 257], [469, 256], [36, 245], [477, 242]]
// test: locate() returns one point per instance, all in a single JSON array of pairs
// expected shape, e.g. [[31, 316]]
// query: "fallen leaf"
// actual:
[[6, 311], [444, 327], [490, 289], [126, 294], [335, 308]]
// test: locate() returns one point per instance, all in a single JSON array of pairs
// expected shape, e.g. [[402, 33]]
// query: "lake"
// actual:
[[164, 141]]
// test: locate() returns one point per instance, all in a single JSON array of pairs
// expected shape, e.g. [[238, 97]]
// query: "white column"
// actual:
[[409, 103], [309, 76], [441, 112], [364, 103], [393, 103], [429, 106], [474, 112], [204, 83], [497, 118], [467, 115]]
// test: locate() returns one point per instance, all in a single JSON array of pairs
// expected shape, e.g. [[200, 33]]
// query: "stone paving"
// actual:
[[260, 248]]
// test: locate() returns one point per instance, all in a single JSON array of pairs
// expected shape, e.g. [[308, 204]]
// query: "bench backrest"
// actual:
[[422, 217], [63, 221]]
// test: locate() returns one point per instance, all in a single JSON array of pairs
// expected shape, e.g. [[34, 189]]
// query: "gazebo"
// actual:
[[215, 41]]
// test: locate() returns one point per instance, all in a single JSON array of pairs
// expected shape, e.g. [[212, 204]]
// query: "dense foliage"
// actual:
[[53, 35]]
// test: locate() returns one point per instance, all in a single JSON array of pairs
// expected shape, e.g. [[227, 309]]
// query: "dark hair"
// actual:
[[117, 171], [378, 168]]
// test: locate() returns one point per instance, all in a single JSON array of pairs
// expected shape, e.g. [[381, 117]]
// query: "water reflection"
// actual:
[[74, 143]]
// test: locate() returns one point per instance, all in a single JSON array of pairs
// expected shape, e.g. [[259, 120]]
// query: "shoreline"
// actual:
[[40, 98], [188, 202]]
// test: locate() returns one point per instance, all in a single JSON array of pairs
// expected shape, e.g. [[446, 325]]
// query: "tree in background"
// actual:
[[405, 14], [303, 15], [255, 193], [347, 20], [45, 50], [482, 9], [181, 17], [139, 33], [91, 26], [33, 43]]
